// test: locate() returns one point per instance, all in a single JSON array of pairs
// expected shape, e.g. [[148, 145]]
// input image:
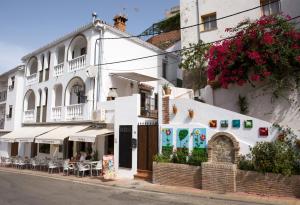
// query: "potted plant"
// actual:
[[175, 109], [191, 113], [167, 89]]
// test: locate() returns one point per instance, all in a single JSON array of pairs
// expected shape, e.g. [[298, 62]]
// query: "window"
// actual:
[[270, 7], [12, 84], [48, 68], [41, 72], [44, 148], [164, 69], [209, 22], [83, 51], [9, 112], [60, 148]]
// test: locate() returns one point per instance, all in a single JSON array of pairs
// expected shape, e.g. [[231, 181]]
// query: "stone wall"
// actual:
[[177, 175], [219, 177], [268, 184]]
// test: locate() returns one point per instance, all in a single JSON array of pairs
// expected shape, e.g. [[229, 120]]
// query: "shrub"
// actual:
[[162, 158], [197, 157], [180, 156], [245, 163]]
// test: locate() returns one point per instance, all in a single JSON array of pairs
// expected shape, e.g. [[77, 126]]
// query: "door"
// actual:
[[14, 149], [69, 149], [125, 146], [147, 146], [33, 149]]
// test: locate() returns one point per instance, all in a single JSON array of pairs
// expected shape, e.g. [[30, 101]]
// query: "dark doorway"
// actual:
[[14, 149], [109, 144], [69, 149], [147, 146], [33, 150], [125, 146]]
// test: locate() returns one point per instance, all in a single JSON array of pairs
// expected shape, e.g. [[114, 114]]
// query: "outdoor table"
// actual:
[[90, 163]]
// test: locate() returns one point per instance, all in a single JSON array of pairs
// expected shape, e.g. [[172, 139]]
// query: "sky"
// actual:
[[29, 24]]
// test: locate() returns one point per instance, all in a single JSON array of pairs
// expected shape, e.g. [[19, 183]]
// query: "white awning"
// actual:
[[89, 135], [134, 77], [58, 135], [26, 134]]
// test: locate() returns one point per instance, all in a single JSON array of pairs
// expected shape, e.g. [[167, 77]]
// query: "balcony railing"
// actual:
[[3, 96], [2, 121], [58, 70], [149, 108], [57, 113], [75, 112], [77, 63], [29, 115], [32, 79]]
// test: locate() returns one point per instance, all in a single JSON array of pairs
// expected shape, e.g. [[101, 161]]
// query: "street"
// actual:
[[17, 189]]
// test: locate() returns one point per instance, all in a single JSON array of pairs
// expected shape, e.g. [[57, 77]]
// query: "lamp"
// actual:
[[112, 94], [77, 88]]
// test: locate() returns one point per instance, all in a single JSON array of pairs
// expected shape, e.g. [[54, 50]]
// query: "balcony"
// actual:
[[77, 63], [56, 113], [58, 70], [75, 112], [29, 116], [3, 96], [32, 79], [149, 107]]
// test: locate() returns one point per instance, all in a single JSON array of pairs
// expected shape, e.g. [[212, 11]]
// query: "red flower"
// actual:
[[266, 73], [254, 55], [298, 58], [255, 77], [268, 39]]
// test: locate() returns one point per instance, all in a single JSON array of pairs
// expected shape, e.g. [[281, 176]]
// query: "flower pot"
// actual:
[[191, 114], [174, 109], [167, 91]]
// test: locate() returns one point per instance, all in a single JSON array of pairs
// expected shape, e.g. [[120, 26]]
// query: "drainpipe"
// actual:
[[198, 22]]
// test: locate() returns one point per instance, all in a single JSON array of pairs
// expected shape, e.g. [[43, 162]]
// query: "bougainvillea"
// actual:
[[268, 48]]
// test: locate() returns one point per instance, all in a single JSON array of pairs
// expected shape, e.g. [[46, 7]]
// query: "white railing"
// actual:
[[77, 63], [75, 112], [29, 115], [32, 79], [58, 69], [57, 113]]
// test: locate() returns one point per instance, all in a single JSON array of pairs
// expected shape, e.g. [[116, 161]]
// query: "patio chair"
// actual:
[[15, 163], [83, 168], [34, 164], [7, 162], [97, 167], [21, 164], [52, 166], [68, 167]]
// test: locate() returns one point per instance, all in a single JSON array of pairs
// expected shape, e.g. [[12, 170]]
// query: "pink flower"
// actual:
[[255, 77], [266, 73], [254, 55], [298, 58], [268, 39]]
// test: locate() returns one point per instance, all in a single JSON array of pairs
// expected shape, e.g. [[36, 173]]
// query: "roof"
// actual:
[[134, 76], [13, 70], [89, 26], [165, 40]]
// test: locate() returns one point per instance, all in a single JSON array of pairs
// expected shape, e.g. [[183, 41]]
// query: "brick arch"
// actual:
[[223, 147]]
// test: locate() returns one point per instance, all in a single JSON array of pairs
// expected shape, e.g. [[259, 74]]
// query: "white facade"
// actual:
[[260, 97]]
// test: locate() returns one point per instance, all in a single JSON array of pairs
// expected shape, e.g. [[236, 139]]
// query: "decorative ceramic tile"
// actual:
[[224, 123], [167, 140], [213, 123], [263, 131], [182, 139], [236, 123], [248, 123], [199, 138]]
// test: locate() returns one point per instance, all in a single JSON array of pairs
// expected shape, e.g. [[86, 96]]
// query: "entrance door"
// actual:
[[125, 146], [14, 149], [147, 146], [69, 149], [33, 149]]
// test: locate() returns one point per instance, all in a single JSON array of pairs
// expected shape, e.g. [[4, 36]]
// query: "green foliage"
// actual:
[[180, 156], [162, 158], [167, 150], [170, 24], [194, 62], [280, 156], [243, 104], [197, 157], [182, 134]]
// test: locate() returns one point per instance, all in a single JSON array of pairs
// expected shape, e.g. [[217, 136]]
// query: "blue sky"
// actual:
[[30, 24]]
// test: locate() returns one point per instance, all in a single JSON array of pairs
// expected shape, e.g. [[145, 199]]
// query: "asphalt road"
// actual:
[[18, 189]]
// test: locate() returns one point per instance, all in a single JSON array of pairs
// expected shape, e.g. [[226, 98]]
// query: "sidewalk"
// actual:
[[139, 186]]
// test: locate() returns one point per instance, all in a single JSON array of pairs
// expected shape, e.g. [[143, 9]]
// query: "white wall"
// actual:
[[203, 113], [54, 152]]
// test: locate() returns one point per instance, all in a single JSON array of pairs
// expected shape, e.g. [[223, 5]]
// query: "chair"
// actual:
[[52, 166], [21, 164], [15, 163], [97, 167], [6, 162], [34, 164], [68, 167], [83, 168]]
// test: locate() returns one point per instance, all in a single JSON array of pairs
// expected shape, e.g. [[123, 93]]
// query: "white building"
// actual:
[[64, 104], [200, 11], [11, 94]]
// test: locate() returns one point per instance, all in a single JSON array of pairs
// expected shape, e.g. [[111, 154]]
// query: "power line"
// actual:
[[186, 48], [186, 27]]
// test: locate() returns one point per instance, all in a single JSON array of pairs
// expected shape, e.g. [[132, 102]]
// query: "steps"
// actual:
[[144, 175]]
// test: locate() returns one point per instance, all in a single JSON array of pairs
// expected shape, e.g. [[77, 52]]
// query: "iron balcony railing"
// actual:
[[149, 107]]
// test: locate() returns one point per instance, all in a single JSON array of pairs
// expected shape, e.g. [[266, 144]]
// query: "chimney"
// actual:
[[120, 22]]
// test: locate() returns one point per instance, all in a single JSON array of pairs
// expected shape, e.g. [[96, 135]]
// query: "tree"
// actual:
[[267, 49]]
